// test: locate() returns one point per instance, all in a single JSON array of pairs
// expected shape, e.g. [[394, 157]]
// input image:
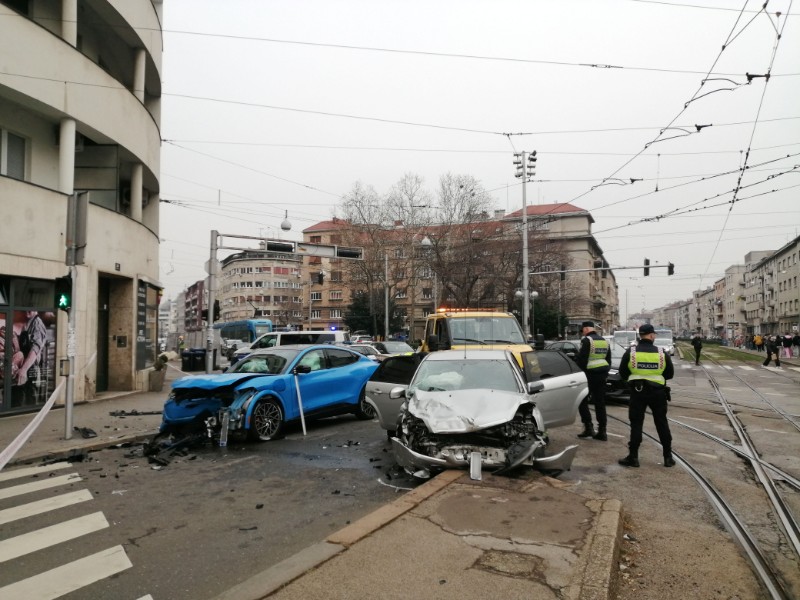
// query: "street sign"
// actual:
[[212, 267]]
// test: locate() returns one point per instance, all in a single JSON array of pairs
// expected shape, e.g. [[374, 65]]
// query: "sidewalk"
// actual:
[[451, 537]]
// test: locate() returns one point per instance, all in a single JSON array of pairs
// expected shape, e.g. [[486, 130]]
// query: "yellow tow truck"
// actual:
[[474, 329]]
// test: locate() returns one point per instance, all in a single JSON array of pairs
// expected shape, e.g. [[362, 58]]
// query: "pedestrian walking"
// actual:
[[787, 345], [773, 347], [697, 344], [594, 359], [647, 369], [758, 340], [796, 344]]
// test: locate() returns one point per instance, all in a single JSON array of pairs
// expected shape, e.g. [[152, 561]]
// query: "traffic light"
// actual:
[[63, 293], [532, 164], [670, 269], [216, 310], [320, 277], [646, 267]]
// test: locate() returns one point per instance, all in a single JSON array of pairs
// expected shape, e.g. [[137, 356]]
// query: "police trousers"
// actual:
[[597, 394], [644, 396]]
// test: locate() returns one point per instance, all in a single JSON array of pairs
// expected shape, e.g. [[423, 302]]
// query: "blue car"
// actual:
[[263, 392]]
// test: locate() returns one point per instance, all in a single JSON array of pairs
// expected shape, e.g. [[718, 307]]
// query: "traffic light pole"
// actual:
[[212, 284], [69, 401]]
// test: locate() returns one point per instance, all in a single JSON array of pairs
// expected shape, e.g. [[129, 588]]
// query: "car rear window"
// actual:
[[397, 369], [544, 364]]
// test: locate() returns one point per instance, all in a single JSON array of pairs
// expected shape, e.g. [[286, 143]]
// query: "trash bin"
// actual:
[[187, 360], [198, 359]]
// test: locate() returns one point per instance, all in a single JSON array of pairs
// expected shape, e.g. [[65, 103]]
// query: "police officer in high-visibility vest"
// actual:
[[647, 368], [594, 358]]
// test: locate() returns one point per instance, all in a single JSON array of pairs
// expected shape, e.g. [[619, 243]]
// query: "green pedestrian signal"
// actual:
[[63, 293]]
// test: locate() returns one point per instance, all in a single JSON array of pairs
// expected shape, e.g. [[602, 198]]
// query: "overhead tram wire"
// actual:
[[685, 106], [778, 36]]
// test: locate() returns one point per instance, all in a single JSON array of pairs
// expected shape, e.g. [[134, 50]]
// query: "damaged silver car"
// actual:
[[477, 409]]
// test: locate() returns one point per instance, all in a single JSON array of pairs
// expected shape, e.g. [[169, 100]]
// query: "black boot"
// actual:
[[629, 461], [668, 460], [588, 431], [601, 434]]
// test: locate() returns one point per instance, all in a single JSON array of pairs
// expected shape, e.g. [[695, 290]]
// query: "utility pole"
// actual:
[[213, 271], [525, 169], [386, 296], [77, 210]]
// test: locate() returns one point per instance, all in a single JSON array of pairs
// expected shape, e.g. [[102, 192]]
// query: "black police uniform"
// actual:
[[646, 394], [596, 378]]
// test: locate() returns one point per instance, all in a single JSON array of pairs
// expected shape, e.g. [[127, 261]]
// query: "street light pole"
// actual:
[[525, 169], [386, 296]]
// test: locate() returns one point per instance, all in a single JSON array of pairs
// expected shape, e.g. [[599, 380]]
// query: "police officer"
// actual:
[[647, 369], [594, 359]]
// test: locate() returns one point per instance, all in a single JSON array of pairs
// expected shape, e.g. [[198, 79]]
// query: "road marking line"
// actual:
[[773, 431], [69, 577], [727, 367], [708, 455], [50, 536], [795, 368], [746, 368], [35, 486], [695, 419], [43, 506], [148, 597], [17, 473]]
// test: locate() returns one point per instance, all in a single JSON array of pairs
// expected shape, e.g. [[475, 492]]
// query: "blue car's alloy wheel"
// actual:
[[267, 421]]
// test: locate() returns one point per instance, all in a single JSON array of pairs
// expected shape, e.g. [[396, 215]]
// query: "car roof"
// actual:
[[471, 355], [296, 347]]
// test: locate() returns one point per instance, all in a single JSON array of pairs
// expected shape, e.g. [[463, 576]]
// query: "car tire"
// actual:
[[390, 433], [364, 410], [267, 421]]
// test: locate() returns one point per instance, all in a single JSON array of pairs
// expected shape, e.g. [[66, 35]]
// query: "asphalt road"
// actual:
[[217, 516]]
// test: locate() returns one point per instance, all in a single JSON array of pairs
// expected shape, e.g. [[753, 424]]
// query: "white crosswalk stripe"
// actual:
[[66, 578]]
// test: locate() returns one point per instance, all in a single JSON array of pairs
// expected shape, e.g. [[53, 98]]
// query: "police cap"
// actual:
[[646, 328]]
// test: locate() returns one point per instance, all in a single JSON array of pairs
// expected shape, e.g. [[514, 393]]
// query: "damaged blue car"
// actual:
[[260, 394]]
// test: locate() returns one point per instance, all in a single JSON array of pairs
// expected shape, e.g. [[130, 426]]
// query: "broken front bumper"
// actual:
[[408, 459]]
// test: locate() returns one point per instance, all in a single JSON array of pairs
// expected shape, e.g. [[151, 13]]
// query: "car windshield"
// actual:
[[663, 342], [485, 330], [273, 363], [452, 375], [365, 350], [397, 347]]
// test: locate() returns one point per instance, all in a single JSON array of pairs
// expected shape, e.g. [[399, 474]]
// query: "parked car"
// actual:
[[263, 392], [360, 339], [667, 344], [465, 403], [287, 338], [568, 347], [395, 371], [368, 350], [615, 387], [392, 347]]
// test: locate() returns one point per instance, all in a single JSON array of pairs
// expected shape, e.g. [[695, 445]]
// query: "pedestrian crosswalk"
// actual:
[[73, 574]]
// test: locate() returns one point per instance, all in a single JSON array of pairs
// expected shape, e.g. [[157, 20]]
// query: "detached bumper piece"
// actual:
[[519, 455]]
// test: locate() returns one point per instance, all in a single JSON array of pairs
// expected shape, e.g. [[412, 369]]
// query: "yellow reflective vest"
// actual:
[[598, 349], [648, 366]]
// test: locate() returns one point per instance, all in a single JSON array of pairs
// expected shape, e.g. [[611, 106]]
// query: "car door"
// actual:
[[394, 371], [564, 385], [315, 386]]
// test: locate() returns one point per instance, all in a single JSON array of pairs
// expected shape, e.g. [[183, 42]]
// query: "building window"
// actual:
[[316, 296], [402, 293], [336, 313], [427, 294], [336, 295], [316, 239], [12, 155], [316, 314]]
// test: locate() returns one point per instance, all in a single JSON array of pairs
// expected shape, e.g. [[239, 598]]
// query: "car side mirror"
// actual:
[[397, 392], [534, 387], [300, 369]]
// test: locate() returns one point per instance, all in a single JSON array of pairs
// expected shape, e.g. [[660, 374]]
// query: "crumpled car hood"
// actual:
[[212, 382], [464, 411]]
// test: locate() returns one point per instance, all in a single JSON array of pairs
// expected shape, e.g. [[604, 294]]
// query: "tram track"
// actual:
[[772, 553]]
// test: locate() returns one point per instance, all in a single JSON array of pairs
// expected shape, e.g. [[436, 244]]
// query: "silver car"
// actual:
[[395, 371], [478, 406]]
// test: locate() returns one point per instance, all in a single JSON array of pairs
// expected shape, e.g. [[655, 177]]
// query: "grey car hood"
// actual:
[[464, 410]]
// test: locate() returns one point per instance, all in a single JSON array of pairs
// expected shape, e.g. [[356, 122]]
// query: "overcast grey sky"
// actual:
[[272, 106]]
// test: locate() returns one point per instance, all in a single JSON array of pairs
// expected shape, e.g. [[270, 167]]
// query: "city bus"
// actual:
[[242, 333]]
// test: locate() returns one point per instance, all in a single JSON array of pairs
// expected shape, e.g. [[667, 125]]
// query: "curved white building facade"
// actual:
[[80, 93]]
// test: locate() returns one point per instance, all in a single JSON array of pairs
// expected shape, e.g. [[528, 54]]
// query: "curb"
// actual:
[[283, 573]]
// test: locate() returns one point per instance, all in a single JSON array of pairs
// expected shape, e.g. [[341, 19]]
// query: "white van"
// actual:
[[286, 338]]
